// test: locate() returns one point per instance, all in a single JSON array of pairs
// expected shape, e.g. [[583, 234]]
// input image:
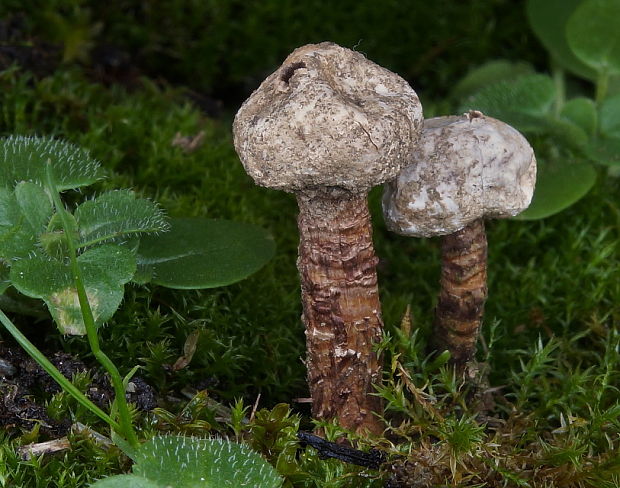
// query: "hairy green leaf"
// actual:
[[593, 35], [54, 239], [187, 462], [35, 205], [105, 270], [23, 159], [548, 20], [203, 253], [117, 215], [17, 238], [126, 481], [5, 281], [558, 186]]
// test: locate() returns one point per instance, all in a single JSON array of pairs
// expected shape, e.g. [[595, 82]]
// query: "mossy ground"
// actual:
[[551, 332]]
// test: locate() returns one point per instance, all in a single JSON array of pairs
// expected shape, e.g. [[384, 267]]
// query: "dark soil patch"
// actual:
[[25, 386]]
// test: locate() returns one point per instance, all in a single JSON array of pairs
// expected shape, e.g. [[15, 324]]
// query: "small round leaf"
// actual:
[[524, 103], [487, 74], [605, 150], [203, 253], [609, 115], [548, 20], [558, 186], [593, 35], [581, 111]]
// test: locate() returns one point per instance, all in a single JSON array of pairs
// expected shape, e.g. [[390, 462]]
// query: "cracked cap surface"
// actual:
[[328, 117], [466, 167]]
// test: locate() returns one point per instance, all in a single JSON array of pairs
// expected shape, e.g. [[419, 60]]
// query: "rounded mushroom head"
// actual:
[[328, 117], [466, 168]]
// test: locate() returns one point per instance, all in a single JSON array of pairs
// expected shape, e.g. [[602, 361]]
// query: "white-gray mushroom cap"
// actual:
[[328, 117], [465, 168]]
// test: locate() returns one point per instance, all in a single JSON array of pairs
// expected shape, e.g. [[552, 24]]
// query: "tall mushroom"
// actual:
[[327, 126], [466, 169]]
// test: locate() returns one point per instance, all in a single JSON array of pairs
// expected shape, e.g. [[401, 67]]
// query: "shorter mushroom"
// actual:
[[466, 169]]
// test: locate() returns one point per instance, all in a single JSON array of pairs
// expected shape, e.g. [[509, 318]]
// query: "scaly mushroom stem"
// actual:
[[341, 308], [463, 292]]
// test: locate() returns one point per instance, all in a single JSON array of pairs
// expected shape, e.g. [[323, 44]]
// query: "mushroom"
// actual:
[[327, 126], [466, 169]]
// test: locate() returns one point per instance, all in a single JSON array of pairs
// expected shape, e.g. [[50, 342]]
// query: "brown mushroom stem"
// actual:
[[341, 308], [463, 293]]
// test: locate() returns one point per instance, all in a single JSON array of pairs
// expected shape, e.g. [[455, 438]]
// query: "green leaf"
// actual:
[[609, 115], [54, 239], [126, 481], [187, 462], [117, 215], [548, 19], [17, 239], [558, 186], [593, 34], [105, 270], [581, 111], [524, 103], [605, 150], [5, 281], [35, 205], [204, 253], [214, 463], [613, 87], [565, 133], [23, 159], [487, 74]]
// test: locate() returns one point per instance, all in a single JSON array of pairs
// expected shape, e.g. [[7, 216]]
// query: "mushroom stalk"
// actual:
[[341, 308], [463, 292]]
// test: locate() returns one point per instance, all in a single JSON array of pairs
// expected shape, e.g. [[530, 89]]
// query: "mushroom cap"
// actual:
[[466, 168], [328, 117]]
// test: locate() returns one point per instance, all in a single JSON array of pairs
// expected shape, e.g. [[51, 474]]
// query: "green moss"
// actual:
[[551, 324], [83, 464]]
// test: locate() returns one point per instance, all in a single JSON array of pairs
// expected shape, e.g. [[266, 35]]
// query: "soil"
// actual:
[[25, 386]]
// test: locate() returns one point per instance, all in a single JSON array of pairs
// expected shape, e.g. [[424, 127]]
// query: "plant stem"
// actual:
[[602, 84], [560, 87], [66, 385], [126, 427]]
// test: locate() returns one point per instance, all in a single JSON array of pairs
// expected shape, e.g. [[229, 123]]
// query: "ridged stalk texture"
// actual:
[[463, 292], [341, 308]]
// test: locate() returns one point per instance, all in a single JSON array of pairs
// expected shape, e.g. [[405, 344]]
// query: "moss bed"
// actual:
[[551, 335]]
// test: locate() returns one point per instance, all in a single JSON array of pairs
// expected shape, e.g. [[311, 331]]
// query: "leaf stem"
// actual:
[[126, 427], [602, 84], [560, 87]]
